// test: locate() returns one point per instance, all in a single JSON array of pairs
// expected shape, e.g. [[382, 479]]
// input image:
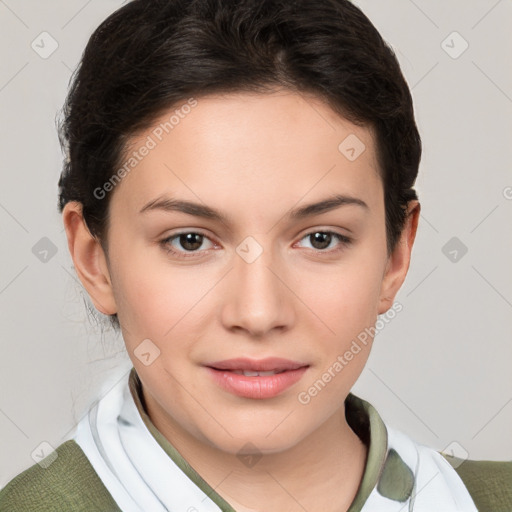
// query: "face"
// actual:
[[249, 272]]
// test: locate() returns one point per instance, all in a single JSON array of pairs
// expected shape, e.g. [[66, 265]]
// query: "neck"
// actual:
[[322, 472]]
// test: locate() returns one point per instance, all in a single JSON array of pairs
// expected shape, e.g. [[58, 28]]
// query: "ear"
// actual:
[[398, 261], [89, 259]]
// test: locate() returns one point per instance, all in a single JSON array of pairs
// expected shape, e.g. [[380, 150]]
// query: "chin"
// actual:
[[255, 440]]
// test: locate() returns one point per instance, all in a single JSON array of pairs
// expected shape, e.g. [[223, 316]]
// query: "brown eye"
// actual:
[[186, 242], [322, 240], [190, 241]]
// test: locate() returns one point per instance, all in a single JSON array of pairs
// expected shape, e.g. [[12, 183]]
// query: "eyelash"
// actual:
[[165, 243]]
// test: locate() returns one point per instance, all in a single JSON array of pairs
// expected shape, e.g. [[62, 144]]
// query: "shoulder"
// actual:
[[488, 482], [65, 480]]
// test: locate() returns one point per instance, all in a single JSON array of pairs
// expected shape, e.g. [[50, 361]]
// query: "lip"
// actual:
[[256, 387], [267, 364]]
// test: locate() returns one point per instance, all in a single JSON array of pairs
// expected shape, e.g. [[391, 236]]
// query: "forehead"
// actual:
[[251, 150]]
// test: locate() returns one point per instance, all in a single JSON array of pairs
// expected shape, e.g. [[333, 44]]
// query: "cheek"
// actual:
[[143, 294], [159, 301], [344, 296], [346, 302]]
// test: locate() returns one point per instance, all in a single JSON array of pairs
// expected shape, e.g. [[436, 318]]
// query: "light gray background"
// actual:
[[440, 371]]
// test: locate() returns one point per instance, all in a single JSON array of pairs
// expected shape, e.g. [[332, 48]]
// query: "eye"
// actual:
[[321, 240], [190, 241]]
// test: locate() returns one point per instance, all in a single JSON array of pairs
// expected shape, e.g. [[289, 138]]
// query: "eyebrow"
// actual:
[[200, 210]]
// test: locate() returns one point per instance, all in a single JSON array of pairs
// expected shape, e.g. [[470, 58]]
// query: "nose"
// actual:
[[258, 299]]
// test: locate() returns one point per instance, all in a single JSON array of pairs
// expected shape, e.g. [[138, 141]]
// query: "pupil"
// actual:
[[187, 241], [321, 238]]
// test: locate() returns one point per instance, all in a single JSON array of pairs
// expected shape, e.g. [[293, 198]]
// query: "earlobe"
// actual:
[[89, 259], [399, 260]]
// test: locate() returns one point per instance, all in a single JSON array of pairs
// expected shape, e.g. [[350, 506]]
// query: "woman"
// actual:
[[238, 197]]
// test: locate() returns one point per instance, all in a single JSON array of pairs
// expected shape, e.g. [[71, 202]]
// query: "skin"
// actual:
[[254, 157]]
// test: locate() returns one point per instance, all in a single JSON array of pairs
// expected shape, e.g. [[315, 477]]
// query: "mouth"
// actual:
[[261, 379]]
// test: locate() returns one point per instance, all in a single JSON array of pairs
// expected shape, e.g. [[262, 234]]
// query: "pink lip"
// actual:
[[270, 363], [257, 387]]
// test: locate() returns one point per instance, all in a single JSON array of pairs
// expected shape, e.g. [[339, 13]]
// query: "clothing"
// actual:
[[117, 460]]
